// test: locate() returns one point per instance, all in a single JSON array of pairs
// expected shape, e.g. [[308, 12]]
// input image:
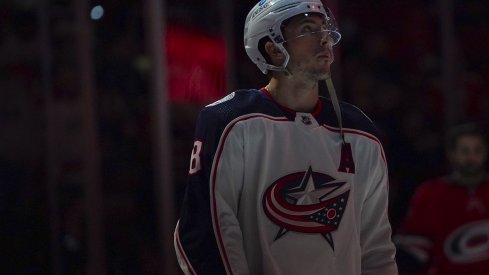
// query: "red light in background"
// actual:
[[196, 65]]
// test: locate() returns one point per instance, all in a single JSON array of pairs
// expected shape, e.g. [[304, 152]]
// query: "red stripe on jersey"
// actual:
[[364, 134], [360, 133], [182, 252], [227, 130]]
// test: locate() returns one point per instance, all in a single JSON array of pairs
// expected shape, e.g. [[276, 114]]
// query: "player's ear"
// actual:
[[276, 55]]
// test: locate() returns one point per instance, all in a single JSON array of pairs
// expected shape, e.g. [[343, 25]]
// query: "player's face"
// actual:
[[469, 156], [309, 45]]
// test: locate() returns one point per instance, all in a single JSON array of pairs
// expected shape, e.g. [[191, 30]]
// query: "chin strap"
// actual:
[[347, 163], [282, 68], [336, 105]]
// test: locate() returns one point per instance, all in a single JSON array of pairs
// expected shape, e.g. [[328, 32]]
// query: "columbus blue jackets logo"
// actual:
[[307, 202]]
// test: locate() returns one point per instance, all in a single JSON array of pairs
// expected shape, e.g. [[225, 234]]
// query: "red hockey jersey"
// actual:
[[447, 228]]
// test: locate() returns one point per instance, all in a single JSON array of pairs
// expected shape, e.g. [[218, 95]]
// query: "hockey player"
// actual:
[[281, 181], [447, 228]]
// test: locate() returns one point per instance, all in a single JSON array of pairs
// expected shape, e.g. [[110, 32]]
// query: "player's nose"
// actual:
[[326, 38]]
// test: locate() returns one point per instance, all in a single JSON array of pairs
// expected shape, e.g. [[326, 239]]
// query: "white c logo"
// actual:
[[468, 243]]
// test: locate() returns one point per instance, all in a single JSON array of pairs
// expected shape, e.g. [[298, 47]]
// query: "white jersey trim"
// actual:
[[181, 256]]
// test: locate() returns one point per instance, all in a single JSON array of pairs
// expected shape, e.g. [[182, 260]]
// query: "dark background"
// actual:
[[410, 69]]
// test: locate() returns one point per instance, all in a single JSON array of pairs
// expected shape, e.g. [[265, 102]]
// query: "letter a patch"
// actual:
[[347, 165]]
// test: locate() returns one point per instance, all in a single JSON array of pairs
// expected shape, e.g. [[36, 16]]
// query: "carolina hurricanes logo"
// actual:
[[469, 243], [307, 202]]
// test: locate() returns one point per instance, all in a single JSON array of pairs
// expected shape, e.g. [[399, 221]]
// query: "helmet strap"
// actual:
[[283, 67], [336, 105]]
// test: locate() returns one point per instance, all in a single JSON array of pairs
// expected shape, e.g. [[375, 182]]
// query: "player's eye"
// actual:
[[307, 29]]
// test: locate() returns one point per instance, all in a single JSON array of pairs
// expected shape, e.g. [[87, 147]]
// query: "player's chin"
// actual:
[[322, 76], [324, 73], [326, 66], [471, 170]]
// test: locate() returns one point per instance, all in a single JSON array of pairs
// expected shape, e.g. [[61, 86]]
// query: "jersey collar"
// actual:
[[315, 112]]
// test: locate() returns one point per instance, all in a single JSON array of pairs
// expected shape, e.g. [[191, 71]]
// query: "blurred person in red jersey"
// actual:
[[446, 230]]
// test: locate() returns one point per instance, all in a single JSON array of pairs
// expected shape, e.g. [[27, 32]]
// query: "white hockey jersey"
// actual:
[[272, 191]]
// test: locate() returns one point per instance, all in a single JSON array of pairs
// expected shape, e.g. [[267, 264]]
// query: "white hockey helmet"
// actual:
[[265, 20]]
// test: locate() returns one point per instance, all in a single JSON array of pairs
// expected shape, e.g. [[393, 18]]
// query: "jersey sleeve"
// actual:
[[208, 238], [414, 240], [378, 251]]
